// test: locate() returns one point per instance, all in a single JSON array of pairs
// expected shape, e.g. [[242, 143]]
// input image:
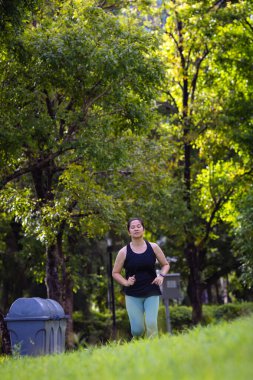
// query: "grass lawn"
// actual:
[[219, 352]]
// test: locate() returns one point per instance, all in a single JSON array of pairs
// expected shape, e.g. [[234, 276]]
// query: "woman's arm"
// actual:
[[117, 268], [165, 266]]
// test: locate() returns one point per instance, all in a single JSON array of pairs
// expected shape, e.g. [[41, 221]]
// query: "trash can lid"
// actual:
[[35, 309]]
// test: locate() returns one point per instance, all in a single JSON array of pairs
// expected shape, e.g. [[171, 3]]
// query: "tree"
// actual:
[[66, 99], [212, 177], [12, 12], [200, 43]]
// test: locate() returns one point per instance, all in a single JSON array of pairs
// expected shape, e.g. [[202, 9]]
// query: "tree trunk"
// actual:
[[194, 288], [59, 284], [58, 280], [68, 307], [52, 276], [4, 336], [67, 288]]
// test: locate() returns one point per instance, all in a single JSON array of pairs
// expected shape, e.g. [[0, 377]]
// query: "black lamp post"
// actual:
[[111, 286]]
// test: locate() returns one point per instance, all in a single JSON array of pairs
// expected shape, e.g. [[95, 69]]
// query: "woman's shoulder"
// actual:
[[153, 245], [122, 252], [158, 251]]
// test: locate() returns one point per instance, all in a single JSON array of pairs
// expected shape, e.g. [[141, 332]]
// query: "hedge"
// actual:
[[181, 315], [97, 327]]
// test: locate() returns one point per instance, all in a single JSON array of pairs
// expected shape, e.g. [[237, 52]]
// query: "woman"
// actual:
[[141, 284]]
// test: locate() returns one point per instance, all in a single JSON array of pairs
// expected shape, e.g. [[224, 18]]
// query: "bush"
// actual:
[[94, 328], [97, 327], [231, 311], [181, 316]]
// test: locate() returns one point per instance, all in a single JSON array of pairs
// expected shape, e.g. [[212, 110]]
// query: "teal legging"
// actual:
[[143, 312]]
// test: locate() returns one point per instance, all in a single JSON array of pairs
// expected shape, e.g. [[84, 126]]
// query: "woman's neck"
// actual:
[[138, 242]]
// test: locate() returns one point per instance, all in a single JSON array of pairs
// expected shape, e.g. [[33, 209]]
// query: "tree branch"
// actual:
[[222, 272], [195, 77], [91, 101], [227, 194], [217, 5], [40, 163], [216, 208]]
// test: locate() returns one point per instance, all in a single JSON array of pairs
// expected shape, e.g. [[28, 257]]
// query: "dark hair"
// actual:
[[132, 219]]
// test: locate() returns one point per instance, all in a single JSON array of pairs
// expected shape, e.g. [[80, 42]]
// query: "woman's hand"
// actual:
[[158, 280], [131, 280]]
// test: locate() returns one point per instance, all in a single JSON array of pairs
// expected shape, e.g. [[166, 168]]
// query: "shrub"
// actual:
[[231, 311], [97, 327], [94, 328], [180, 317]]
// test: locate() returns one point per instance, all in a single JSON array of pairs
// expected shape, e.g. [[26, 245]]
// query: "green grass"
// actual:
[[220, 352]]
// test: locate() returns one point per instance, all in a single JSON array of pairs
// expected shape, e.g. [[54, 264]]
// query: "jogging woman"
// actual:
[[141, 283]]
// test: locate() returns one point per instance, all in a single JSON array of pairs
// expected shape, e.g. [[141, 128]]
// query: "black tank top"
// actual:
[[142, 265]]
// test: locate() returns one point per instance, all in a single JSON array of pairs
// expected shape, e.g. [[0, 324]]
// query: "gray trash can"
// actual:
[[37, 326]]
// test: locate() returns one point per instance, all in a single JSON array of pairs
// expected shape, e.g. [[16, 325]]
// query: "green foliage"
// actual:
[[92, 329], [74, 92], [97, 328], [82, 146], [15, 12], [243, 243], [206, 106], [231, 311]]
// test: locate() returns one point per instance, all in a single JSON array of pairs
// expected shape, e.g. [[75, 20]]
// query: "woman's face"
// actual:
[[136, 229]]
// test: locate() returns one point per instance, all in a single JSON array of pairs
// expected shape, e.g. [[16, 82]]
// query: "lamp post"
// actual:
[[111, 286]]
